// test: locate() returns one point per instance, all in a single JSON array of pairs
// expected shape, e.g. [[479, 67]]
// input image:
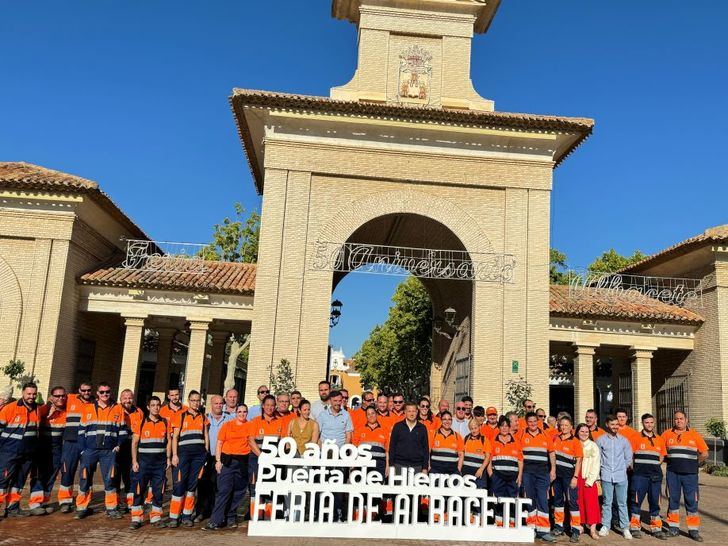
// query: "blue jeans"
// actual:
[[610, 491]]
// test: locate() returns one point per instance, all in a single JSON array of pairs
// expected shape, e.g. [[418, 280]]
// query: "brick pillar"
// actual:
[[196, 355], [129, 376], [164, 359], [583, 380], [641, 382], [217, 356]]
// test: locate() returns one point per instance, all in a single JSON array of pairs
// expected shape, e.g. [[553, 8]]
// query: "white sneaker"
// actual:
[[604, 531], [626, 534]]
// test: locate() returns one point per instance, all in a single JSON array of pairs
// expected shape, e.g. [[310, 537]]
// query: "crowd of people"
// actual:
[[578, 477]]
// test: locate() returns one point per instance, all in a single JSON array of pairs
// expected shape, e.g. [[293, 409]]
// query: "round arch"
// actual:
[[11, 308]]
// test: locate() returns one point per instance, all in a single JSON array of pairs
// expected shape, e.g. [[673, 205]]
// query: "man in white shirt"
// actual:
[[324, 388], [460, 420]]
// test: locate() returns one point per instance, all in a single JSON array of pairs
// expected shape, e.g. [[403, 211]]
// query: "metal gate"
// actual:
[[672, 396], [463, 365], [625, 394]]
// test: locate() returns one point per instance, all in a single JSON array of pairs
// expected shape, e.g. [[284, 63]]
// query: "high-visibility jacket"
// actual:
[[629, 433], [261, 428], [52, 426], [567, 451], [536, 449], [445, 452], [234, 436], [170, 414], [74, 410], [133, 416], [19, 426], [505, 456], [377, 437], [358, 417], [475, 450], [647, 452], [489, 431], [596, 432], [386, 420], [191, 430], [103, 428], [683, 449], [153, 437]]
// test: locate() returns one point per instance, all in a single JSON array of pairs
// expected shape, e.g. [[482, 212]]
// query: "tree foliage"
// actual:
[[612, 261], [517, 392], [235, 240], [397, 355], [282, 378], [557, 267]]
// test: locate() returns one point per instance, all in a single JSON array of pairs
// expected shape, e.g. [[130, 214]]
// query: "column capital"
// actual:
[[134, 320], [199, 324], [642, 352], [586, 349]]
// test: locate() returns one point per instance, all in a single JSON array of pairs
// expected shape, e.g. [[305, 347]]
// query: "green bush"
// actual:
[[716, 470], [716, 427]]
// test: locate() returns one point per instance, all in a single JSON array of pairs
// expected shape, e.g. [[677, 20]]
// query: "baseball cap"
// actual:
[[491, 411]]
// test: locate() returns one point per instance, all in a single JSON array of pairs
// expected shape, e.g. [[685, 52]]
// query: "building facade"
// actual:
[[404, 169]]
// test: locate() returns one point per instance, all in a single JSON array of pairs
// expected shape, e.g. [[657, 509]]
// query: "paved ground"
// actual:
[[97, 529]]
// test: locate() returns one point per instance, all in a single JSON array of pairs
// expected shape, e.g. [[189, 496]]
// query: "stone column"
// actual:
[[641, 383], [583, 380], [217, 356], [164, 359], [196, 355], [129, 375]]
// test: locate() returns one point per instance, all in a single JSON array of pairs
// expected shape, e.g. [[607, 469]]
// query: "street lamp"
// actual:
[[336, 306], [437, 323]]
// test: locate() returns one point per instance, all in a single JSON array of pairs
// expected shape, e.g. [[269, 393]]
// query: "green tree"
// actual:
[[612, 261], [517, 392], [397, 355], [557, 267], [283, 379], [235, 240]]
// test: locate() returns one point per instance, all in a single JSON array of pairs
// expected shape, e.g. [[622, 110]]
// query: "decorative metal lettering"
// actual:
[[426, 263], [612, 287], [165, 256]]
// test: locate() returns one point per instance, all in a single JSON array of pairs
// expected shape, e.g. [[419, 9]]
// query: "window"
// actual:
[[84, 360]]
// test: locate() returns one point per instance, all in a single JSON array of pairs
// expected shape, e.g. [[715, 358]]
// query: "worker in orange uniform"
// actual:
[[426, 417], [123, 459], [103, 430], [19, 424], [359, 415], [151, 455], [48, 457], [568, 453], [283, 408], [539, 470], [505, 470], [591, 419], [231, 464], [686, 449], [446, 448], [648, 450], [490, 428], [373, 434], [172, 407], [268, 428], [189, 452], [397, 411], [624, 429], [385, 417], [72, 444]]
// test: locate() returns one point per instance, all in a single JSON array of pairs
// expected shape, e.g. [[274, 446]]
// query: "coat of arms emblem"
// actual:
[[415, 75]]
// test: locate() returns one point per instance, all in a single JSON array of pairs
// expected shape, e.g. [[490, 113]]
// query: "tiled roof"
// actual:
[[591, 303], [717, 234], [28, 177], [242, 98], [215, 277]]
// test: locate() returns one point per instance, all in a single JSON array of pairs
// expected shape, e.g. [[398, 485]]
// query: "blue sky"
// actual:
[[134, 95]]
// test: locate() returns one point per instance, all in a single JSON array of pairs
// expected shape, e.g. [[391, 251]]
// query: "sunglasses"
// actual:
[[104, 392], [58, 395], [369, 400], [459, 408], [399, 401], [425, 406], [263, 392], [84, 390]]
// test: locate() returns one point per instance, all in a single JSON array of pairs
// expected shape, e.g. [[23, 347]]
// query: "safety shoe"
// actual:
[[81, 514], [49, 509], [198, 518], [173, 523], [134, 525], [660, 535], [38, 511], [231, 524], [672, 533], [636, 534], [3, 512], [113, 514], [187, 522], [557, 531], [161, 524], [546, 537], [211, 527], [66, 508], [18, 513], [574, 537], [695, 535]]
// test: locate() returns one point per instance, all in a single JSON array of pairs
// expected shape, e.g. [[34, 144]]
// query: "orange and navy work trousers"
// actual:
[[152, 471], [563, 492], [14, 470], [43, 477], [536, 487], [645, 486], [90, 459], [185, 477], [70, 458], [687, 485]]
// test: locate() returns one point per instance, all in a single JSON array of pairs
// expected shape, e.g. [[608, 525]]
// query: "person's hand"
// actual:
[[519, 480], [175, 460], [116, 449], [574, 482], [479, 472], [218, 466], [386, 471], [552, 475], [169, 463], [135, 467]]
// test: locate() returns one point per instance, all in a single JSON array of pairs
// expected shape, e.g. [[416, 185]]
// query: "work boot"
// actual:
[[187, 522], [672, 533], [660, 535], [574, 537], [211, 527], [695, 535], [546, 537], [557, 531], [49, 509], [173, 523], [161, 524], [134, 525], [113, 514], [636, 534], [81, 514], [38, 511], [18, 513], [66, 508], [231, 524]]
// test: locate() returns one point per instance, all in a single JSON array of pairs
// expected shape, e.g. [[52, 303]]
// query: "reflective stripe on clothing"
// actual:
[[445, 451], [647, 452], [682, 450], [475, 452], [19, 424], [536, 449], [567, 451]]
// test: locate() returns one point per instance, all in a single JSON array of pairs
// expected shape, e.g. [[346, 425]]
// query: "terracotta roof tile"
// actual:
[[592, 303], [717, 234], [216, 277], [26, 176]]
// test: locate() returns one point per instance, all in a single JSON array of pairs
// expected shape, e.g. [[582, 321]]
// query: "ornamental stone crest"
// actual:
[[415, 75]]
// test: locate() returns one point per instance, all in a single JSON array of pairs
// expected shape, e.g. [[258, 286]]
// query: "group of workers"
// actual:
[[212, 456]]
